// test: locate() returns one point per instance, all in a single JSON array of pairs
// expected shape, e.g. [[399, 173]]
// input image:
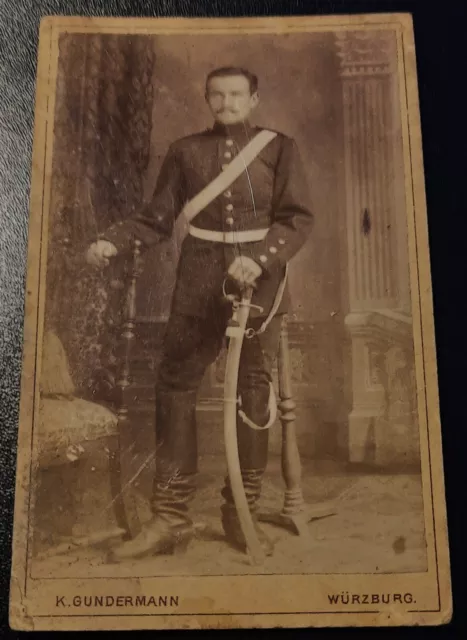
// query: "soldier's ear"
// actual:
[[254, 99]]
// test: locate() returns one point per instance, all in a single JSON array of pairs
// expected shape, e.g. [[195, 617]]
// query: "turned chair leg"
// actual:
[[295, 513], [122, 474]]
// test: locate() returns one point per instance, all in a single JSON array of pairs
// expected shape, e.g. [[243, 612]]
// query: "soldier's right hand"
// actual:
[[99, 253]]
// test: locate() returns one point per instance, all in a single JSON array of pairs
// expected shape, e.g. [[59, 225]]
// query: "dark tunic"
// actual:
[[273, 193]]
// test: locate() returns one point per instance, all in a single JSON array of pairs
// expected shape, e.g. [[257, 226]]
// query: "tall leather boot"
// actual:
[[171, 528], [253, 454]]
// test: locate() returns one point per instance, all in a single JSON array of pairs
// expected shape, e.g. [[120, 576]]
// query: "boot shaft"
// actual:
[[176, 455], [176, 433], [252, 483]]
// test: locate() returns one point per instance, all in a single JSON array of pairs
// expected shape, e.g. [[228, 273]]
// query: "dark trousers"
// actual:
[[191, 345]]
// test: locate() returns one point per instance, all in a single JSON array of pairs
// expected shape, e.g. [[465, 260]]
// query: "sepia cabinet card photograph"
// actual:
[[229, 408]]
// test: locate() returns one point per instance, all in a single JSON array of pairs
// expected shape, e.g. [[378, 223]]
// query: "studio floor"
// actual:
[[377, 528]]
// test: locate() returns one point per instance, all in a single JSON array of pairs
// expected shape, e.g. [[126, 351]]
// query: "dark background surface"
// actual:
[[440, 37]]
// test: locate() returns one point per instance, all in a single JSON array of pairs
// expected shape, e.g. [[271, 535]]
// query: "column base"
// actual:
[[383, 425], [362, 444]]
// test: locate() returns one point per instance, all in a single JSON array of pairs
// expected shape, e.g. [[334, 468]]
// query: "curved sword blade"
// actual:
[[236, 333]]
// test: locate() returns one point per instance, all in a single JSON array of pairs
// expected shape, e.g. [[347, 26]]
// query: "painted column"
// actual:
[[379, 319]]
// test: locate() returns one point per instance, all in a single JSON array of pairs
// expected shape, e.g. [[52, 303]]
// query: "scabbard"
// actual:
[[235, 332]]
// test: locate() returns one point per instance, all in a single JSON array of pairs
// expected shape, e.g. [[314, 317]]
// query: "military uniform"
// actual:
[[272, 194]]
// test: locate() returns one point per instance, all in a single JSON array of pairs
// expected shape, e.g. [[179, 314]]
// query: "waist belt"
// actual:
[[228, 237]]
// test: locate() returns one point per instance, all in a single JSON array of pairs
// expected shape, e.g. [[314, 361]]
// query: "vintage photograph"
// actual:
[[227, 368]]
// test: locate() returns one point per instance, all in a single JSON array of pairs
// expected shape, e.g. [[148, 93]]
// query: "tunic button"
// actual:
[[263, 259], [228, 194], [227, 154], [229, 221], [281, 241], [229, 143], [272, 250], [229, 207]]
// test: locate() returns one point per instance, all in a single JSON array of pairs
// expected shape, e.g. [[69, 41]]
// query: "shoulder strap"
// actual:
[[229, 175]]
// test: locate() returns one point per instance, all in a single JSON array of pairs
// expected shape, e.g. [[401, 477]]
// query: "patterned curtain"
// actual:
[[102, 129]]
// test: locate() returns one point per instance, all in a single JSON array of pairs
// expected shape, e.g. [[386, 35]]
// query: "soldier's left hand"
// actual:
[[245, 271]]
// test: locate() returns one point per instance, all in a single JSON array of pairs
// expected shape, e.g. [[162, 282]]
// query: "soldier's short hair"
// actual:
[[234, 71]]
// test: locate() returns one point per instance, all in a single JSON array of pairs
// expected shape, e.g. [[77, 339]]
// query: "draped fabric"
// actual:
[[102, 132]]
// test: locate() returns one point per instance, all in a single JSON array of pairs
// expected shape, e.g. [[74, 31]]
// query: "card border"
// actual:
[[420, 275]]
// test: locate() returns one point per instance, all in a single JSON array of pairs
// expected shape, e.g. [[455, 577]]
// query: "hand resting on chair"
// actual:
[[99, 253]]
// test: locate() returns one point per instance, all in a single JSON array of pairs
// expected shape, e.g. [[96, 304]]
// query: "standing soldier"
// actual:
[[247, 187]]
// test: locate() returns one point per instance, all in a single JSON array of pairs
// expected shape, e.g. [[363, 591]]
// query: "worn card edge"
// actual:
[[19, 618]]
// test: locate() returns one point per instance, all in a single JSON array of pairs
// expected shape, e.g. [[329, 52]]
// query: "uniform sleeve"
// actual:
[[292, 211], [155, 222]]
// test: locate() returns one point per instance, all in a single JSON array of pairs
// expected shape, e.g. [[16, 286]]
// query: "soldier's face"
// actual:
[[229, 99]]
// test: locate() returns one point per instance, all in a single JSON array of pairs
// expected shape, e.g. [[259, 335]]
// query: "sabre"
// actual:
[[235, 332]]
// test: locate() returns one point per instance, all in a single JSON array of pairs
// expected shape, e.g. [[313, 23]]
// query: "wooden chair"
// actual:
[[70, 429]]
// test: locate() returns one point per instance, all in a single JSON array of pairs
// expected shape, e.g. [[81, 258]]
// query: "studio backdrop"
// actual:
[[122, 100]]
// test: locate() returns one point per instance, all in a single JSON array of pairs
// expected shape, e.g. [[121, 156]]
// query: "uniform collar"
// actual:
[[238, 130]]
